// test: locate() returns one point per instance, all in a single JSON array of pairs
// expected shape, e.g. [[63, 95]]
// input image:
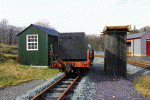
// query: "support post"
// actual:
[[115, 50]]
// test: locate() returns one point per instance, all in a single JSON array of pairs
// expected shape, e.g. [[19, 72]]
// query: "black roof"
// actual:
[[45, 29], [72, 32], [136, 35]]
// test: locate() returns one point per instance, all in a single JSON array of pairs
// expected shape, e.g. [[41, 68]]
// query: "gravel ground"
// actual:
[[11, 92], [93, 86], [97, 86], [99, 52], [27, 90]]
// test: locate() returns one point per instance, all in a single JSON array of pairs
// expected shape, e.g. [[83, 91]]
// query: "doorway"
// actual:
[[147, 48]]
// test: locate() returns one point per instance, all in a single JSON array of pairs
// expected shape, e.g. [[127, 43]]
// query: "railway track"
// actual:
[[133, 62], [144, 65], [59, 89]]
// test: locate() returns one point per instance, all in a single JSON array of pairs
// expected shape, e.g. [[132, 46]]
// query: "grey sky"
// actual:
[[89, 16]]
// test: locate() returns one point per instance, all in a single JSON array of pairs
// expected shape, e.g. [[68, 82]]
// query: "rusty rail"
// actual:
[[39, 96], [70, 87], [62, 97], [143, 64]]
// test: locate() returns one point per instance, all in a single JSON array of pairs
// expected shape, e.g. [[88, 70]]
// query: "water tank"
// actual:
[[72, 46]]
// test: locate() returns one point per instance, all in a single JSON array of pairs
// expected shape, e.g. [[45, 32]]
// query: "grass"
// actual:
[[8, 51], [13, 74], [10, 55], [7, 45], [142, 85]]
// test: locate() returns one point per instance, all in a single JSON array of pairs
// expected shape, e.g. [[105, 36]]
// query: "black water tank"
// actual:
[[72, 46]]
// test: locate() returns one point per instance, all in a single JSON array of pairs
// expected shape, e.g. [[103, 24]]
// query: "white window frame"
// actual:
[[27, 42]]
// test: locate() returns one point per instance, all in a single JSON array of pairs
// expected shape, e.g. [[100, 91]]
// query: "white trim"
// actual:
[[40, 66], [31, 42], [138, 54]]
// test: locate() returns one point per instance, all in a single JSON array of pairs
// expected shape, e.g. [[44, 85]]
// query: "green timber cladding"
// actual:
[[39, 54]]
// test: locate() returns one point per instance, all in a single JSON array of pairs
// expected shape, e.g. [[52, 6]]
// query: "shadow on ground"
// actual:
[[110, 87]]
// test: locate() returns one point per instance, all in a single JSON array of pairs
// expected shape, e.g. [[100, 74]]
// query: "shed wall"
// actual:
[[39, 57], [132, 47], [143, 43], [137, 46]]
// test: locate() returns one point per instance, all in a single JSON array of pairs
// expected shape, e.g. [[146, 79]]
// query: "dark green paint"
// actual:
[[39, 57]]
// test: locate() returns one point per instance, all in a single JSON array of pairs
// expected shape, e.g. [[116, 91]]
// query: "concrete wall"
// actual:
[[115, 54]]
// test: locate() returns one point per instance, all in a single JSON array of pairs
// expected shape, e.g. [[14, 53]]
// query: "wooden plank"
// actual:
[[128, 40], [128, 27]]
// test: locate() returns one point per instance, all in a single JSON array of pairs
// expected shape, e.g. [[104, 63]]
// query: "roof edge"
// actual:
[[72, 32], [34, 26], [39, 27], [139, 33], [146, 32], [24, 30], [111, 29]]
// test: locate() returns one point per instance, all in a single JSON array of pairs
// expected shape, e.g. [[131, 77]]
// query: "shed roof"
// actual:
[[136, 35], [72, 32], [45, 29]]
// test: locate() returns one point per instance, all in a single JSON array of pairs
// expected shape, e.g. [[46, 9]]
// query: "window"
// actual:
[[32, 42], [147, 39]]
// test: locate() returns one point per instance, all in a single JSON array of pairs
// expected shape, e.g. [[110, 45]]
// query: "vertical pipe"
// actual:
[[92, 54], [52, 55], [92, 57], [133, 48], [88, 55], [88, 58]]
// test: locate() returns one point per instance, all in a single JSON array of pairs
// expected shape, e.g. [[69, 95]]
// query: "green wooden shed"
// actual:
[[34, 45]]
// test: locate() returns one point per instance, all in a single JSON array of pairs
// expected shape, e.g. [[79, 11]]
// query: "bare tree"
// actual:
[[143, 29], [134, 30], [11, 33], [8, 32], [44, 23], [3, 30], [101, 42]]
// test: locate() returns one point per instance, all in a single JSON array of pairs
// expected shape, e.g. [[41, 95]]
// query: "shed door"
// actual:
[[148, 48]]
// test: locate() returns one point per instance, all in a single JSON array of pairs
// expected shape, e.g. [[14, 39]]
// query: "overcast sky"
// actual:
[[89, 16]]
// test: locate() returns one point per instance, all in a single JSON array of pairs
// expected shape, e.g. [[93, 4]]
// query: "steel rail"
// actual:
[[62, 97], [39, 96], [143, 65]]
